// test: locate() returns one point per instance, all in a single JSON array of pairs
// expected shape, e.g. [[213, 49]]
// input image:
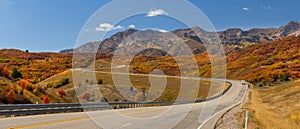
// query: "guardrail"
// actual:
[[34, 109]]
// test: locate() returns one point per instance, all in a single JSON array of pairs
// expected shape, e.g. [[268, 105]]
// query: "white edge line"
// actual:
[[228, 108]]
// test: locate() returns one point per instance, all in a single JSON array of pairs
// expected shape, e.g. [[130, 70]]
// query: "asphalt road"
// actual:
[[188, 116]]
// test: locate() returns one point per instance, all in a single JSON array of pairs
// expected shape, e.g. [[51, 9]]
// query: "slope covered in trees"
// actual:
[[263, 64], [266, 63]]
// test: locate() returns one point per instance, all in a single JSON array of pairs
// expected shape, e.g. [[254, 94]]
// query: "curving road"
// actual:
[[189, 116]]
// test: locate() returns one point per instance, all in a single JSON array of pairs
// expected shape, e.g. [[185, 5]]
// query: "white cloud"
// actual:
[[163, 31], [156, 12], [108, 27], [246, 9], [131, 26]]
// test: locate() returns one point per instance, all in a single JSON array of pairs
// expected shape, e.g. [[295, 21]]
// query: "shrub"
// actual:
[[46, 100], [64, 81], [49, 85], [40, 89], [35, 91], [56, 85], [29, 88], [4, 71], [21, 92], [86, 96], [100, 81], [10, 97], [16, 74], [61, 92], [23, 84], [61, 83]]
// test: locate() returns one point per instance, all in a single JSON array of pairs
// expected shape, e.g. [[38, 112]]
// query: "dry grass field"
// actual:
[[274, 108], [138, 83]]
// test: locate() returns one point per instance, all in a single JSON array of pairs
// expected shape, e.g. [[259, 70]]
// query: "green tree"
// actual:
[[16, 74], [64, 81]]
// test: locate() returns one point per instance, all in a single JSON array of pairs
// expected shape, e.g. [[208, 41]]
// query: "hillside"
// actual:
[[48, 74], [274, 107], [20, 71], [266, 63], [34, 67]]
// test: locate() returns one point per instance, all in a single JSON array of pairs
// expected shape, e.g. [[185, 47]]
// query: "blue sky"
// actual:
[[52, 25]]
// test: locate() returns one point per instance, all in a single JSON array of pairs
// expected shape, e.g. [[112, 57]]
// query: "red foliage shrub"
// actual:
[[46, 100], [86, 96], [23, 84], [10, 97], [61, 92]]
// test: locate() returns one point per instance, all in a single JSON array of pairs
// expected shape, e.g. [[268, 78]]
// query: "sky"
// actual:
[[53, 25]]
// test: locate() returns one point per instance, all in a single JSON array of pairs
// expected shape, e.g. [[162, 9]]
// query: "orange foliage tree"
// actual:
[[46, 100], [10, 97], [4, 71], [23, 84]]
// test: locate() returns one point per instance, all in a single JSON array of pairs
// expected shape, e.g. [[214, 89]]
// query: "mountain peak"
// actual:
[[293, 27], [293, 22]]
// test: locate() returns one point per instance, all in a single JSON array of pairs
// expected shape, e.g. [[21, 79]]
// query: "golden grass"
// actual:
[[111, 93], [273, 108]]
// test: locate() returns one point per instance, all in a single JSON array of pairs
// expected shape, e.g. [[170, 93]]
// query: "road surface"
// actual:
[[188, 116]]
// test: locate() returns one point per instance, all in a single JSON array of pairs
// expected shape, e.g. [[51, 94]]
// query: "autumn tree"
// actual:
[[23, 84], [46, 100], [4, 71], [10, 97], [61, 92]]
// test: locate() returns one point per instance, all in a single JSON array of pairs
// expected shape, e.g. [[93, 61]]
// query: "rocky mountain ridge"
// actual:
[[230, 37]]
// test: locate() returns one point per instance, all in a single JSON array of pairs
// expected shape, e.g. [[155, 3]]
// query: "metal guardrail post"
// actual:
[[246, 121]]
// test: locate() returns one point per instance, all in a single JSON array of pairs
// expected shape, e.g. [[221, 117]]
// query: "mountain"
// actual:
[[237, 36], [292, 28], [233, 38]]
